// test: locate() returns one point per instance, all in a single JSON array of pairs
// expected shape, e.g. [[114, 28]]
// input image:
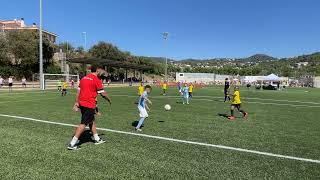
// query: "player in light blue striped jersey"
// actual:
[[143, 106], [185, 94]]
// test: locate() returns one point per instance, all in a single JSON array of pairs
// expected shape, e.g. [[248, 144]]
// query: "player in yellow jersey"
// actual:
[[140, 89], [190, 90], [236, 104], [164, 87], [64, 88]]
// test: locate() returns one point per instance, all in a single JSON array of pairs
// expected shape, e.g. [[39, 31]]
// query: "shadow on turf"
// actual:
[[135, 123], [223, 115], [86, 137], [226, 116]]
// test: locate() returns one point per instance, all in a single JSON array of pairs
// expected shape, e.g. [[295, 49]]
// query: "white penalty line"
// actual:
[[174, 140]]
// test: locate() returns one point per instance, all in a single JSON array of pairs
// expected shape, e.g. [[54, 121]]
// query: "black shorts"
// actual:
[[226, 91], [238, 106], [64, 89], [87, 115], [10, 84]]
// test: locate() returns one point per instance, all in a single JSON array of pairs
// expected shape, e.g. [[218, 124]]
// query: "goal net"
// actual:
[[52, 81]]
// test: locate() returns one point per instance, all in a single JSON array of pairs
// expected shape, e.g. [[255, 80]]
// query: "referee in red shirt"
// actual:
[[90, 87]]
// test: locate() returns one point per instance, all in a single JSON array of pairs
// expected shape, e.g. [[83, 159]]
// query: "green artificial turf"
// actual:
[[280, 122]]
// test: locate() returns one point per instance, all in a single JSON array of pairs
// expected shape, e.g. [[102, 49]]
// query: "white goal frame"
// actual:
[[65, 76]]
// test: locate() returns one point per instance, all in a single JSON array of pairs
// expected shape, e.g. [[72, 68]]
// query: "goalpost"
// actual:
[[51, 81]]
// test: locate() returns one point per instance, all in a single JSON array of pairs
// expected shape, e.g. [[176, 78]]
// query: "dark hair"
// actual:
[[147, 87], [94, 67]]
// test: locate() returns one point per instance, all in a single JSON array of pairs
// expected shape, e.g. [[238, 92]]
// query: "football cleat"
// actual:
[[75, 147], [245, 115], [100, 141]]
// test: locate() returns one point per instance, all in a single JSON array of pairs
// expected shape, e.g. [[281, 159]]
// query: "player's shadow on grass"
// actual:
[[86, 137], [135, 124], [223, 115]]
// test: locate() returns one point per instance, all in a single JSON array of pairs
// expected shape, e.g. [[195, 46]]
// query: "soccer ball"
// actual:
[[167, 107]]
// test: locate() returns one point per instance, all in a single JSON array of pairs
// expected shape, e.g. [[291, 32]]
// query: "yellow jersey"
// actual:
[[140, 90], [65, 85], [191, 88], [164, 86], [236, 98]]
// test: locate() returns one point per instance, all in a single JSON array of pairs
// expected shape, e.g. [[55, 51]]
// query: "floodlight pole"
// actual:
[[165, 37], [41, 51], [85, 40]]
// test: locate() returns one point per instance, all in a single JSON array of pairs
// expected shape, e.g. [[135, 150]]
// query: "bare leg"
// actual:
[[79, 130], [93, 128], [232, 110]]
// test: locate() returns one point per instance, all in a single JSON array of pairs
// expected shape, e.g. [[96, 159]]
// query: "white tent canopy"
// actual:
[[272, 77]]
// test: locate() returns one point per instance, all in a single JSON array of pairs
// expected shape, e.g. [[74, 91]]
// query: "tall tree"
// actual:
[[107, 51]]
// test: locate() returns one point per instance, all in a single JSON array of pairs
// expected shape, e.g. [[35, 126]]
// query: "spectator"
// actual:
[[24, 82]]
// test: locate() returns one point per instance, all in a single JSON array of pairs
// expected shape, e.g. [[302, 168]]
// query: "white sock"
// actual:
[[96, 137], [74, 141]]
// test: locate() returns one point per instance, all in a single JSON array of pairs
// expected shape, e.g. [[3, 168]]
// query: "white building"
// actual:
[[206, 78], [316, 82]]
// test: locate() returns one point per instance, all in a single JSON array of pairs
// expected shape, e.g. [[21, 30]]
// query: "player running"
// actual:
[[64, 88], [90, 87], [140, 89], [190, 90], [236, 103], [226, 90], [164, 88], [59, 85], [143, 106], [185, 94]]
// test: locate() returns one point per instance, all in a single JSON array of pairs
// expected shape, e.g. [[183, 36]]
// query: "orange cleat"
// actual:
[[245, 115], [232, 118]]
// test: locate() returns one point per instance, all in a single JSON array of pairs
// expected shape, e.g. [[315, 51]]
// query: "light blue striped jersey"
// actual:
[[185, 91], [142, 100]]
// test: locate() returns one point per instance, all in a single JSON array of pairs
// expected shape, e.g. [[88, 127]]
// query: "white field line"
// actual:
[[174, 140], [265, 103], [250, 102], [277, 100]]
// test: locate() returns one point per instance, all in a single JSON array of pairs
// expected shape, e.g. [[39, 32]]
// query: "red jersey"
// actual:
[[90, 87]]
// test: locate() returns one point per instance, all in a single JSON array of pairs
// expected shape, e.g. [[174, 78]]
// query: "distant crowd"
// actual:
[[9, 82]]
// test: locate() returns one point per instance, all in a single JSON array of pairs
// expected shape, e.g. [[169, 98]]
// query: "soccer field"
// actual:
[[279, 140]]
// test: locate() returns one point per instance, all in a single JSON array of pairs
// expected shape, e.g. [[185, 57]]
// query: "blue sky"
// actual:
[[198, 28]]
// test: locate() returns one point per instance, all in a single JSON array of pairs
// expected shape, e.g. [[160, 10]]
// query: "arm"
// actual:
[[148, 100], [105, 96], [147, 107], [76, 103], [233, 95], [97, 111]]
